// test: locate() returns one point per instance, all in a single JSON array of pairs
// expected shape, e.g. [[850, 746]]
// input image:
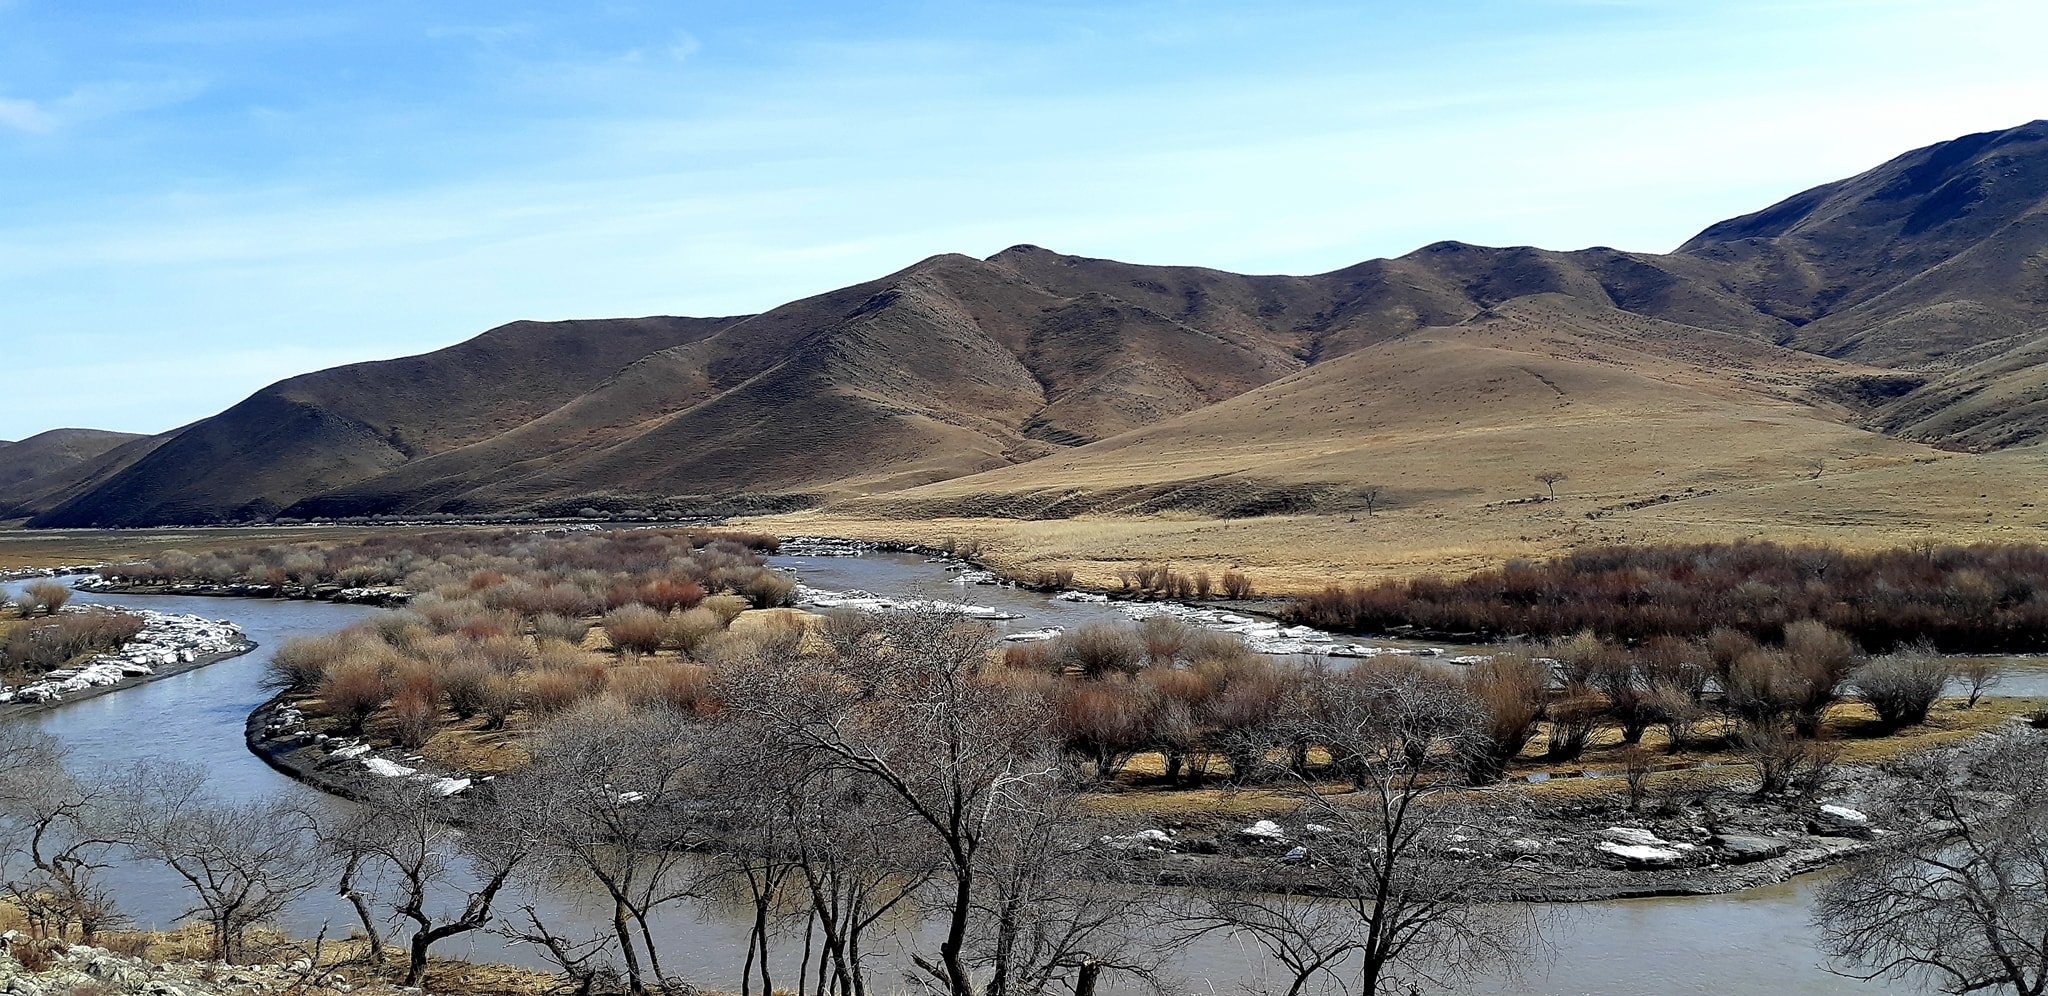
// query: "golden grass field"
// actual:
[[1454, 428]]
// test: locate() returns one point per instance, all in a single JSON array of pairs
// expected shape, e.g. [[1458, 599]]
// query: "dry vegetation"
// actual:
[[35, 639], [1977, 599]]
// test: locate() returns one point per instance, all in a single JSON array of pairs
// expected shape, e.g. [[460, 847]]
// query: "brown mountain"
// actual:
[[1857, 321], [24, 462]]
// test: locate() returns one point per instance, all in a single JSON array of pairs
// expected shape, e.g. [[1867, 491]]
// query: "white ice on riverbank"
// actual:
[[166, 640], [867, 601], [1269, 637]]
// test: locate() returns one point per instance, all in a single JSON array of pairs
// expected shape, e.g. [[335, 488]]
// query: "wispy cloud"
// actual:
[[25, 115]]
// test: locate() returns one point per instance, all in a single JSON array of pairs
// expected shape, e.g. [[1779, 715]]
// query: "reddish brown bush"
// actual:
[[352, 691], [1984, 598], [414, 718]]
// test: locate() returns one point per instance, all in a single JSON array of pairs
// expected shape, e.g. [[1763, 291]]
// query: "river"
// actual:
[[1753, 943]]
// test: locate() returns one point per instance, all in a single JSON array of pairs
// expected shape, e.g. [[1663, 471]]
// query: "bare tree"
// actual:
[[610, 793], [915, 714], [1981, 674], [1371, 495], [1394, 906], [1960, 910], [52, 840], [394, 840], [243, 862], [1550, 478]]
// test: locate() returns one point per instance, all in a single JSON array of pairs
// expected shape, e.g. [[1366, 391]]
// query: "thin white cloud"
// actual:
[[25, 115]]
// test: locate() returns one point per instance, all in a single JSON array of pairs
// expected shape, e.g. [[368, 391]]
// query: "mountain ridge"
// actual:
[[1905, 303]]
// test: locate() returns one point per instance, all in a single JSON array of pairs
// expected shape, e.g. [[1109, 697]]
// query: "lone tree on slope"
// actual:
[[1550, 479]]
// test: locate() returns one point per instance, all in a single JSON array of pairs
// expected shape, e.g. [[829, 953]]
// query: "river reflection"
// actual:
[[1747, 944]]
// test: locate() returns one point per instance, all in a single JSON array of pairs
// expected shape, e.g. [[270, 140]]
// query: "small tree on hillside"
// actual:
[[1549, 479]]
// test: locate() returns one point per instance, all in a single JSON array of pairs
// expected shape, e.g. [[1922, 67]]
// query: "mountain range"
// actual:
[[1879, 323]]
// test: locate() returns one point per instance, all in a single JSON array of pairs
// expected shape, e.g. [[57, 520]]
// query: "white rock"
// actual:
[[1641, 855], [1264, 830], [388, 769], [1632, 835], [1845, 814]]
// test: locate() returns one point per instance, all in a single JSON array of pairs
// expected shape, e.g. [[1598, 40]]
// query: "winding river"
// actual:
[[1755, 942]]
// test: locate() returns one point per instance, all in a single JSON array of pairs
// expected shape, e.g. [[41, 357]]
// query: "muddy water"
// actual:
[[1756, 942]]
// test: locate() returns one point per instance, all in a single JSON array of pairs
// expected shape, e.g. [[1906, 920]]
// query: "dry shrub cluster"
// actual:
[[1162, 581], [560, 572], [39, 647], [1987, 598], [499, 626], [44, 597]]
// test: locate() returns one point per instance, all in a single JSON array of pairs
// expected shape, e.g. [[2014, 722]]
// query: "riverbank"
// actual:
[[173, 963], [1694, 832], [168, 645], [377, 597]]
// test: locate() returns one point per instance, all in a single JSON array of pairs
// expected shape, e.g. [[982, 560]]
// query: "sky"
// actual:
[[199, 199]]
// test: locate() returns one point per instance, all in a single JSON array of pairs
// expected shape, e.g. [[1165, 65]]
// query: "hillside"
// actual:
[[322, 430], [1866, 327], [57, 451]]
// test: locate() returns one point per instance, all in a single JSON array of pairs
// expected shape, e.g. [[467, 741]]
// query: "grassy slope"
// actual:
[[1454, 424]]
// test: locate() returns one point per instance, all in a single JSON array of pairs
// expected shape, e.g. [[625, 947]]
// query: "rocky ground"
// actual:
[[1708, 838], [77, 970]]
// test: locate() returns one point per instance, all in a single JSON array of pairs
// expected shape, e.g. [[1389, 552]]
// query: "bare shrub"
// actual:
[[1099, 649], [1575, 715], [686, 689], [414, 718], [1902, 686], [726, 607], [1508, 693], [769, 590], [1236, 585], [1163, 638], [464, 680], [1105, 721], [1785, 762], [1637, 765], [561, 629], [353, 690], [1678, 713], [1820, 660], [46, 596], [496, 700], [686, 631], [299, 664], [552, 692], [635, 628]]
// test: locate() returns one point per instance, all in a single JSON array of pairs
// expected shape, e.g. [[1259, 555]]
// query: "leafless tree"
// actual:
[[1960, 910], [610, 793], [397, 852], [1980, 674], [53, 844], [1371, 495], [1394, 906], [915, 714], [1549, 479], [243, 862]]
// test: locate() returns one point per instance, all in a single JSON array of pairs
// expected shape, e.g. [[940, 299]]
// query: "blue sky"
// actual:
[[203, 198]]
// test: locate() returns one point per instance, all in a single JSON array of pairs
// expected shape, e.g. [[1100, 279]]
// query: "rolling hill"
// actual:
[[54, 452], [1882, 323]]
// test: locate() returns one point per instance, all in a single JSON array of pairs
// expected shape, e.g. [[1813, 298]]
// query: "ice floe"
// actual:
[[165, 640]]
